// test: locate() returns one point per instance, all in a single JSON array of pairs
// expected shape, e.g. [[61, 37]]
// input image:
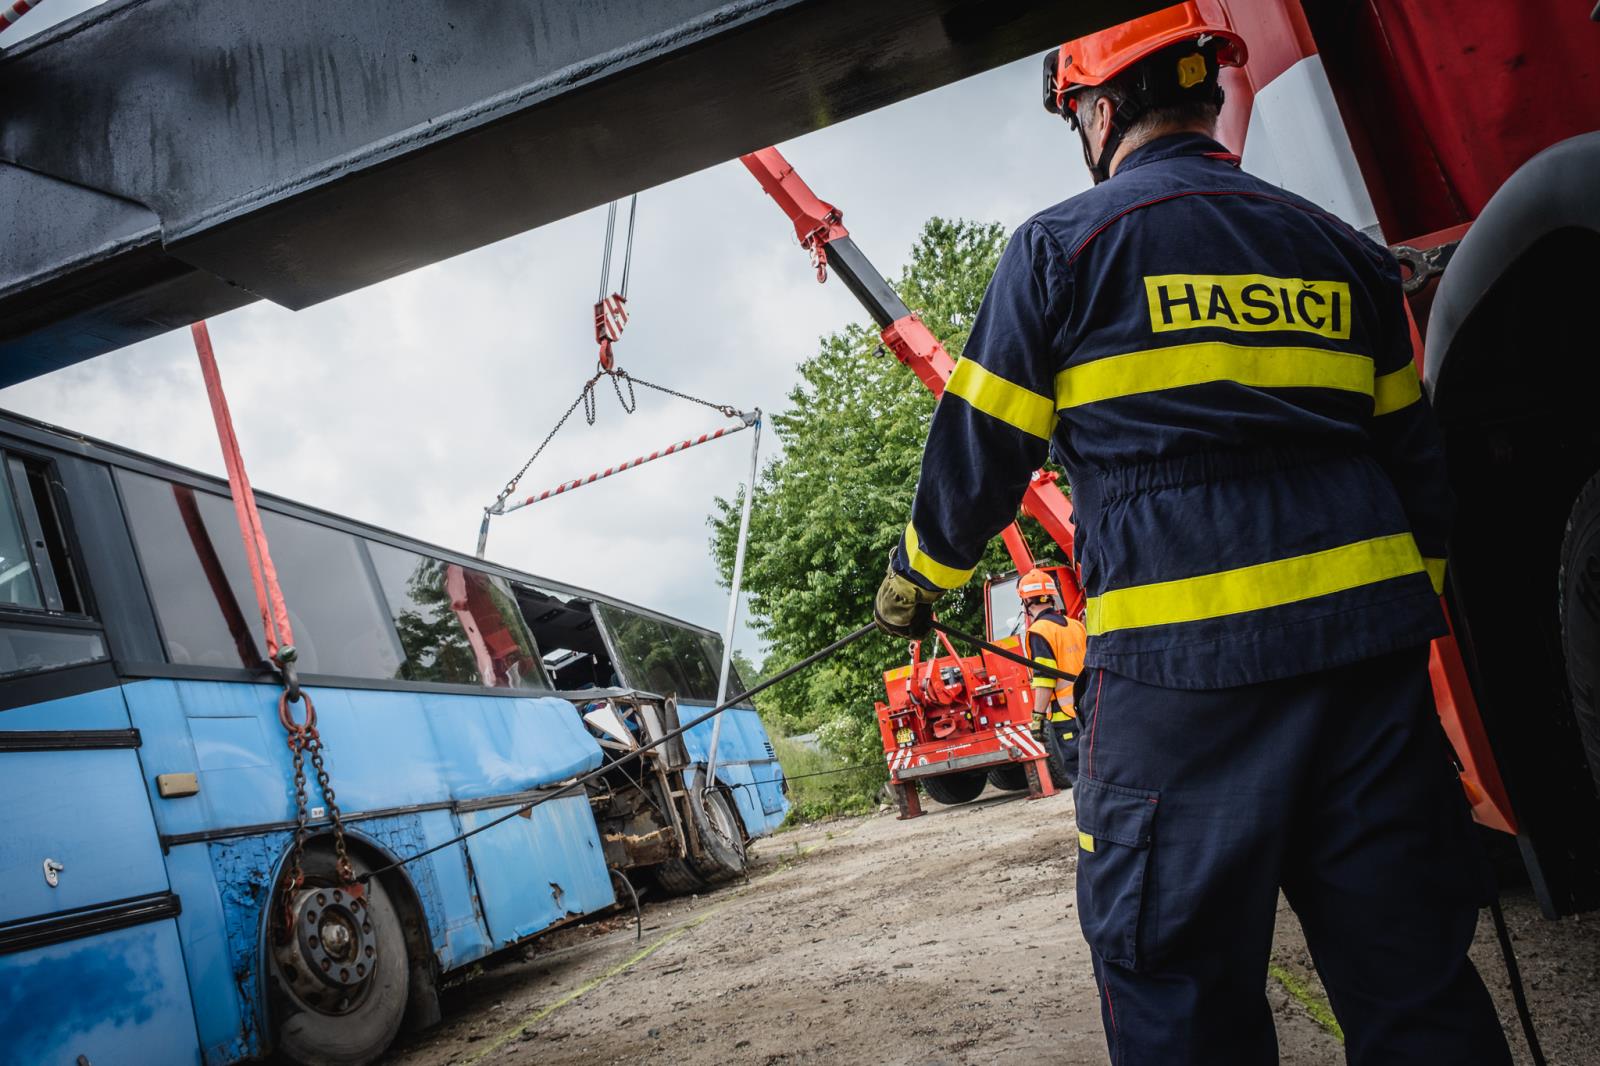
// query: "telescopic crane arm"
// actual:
[[821, 231]]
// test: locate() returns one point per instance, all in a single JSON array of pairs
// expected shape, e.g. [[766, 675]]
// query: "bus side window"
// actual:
[[456, 625], [194, 564], [567, 638], [38, 584]]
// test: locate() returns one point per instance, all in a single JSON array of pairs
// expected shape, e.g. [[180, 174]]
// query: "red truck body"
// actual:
[[1462, 134]]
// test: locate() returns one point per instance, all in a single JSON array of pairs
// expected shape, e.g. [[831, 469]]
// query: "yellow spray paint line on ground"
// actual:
[[1314, 1005], [633, 960], [590, 985]]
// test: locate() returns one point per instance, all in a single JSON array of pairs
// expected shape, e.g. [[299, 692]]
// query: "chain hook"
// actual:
[[285, 660]]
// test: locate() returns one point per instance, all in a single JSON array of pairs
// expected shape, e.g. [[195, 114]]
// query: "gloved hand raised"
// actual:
[[902, 607]]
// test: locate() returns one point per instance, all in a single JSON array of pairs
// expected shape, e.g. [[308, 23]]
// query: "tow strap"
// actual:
[[302, 736]]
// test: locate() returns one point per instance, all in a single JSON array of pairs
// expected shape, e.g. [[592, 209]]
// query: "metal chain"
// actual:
[[347, 873], [586, 392], [586, 397], [303, 737], [727, 409], [297, 874]]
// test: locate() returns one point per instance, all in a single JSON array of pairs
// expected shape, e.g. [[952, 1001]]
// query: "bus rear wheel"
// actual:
[[1580, 617], [961, 787], [339, 968]]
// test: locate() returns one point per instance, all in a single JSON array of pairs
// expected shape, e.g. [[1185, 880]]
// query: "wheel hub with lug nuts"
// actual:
[[331, 952]]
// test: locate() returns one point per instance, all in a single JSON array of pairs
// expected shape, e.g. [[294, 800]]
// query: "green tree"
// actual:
[[827, 511]]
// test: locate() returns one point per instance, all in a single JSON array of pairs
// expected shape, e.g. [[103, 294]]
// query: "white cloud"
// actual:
[[408, 404]]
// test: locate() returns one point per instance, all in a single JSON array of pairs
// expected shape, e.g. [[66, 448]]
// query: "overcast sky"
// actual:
[[409, 403]]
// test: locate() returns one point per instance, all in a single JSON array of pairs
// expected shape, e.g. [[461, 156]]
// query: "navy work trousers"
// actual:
[[1195, 807], [1064, 747]]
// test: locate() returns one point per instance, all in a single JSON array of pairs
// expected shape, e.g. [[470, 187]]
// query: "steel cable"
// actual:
[[577, 783], [1518, 994]]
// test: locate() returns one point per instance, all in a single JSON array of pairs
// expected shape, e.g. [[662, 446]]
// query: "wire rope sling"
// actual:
[[610, 318]]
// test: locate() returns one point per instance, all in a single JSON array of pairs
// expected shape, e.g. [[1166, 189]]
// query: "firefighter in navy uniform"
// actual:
[[1058, 642], [1262, 510]]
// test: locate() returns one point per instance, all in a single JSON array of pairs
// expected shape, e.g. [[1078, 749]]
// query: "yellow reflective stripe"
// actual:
[[1253, 588], [1085, 841], [1392, 392], [1435, 573], [1212, 361], [945, 577], [1029, 411], [1044, 682], [1042, 661]]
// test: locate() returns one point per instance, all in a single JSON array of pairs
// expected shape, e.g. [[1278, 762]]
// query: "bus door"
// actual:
[[91, 968]]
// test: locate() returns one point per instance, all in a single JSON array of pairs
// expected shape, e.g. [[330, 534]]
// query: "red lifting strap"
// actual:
[[274, 613]]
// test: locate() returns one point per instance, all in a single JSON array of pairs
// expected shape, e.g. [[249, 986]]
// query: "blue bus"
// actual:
[[146, 910]]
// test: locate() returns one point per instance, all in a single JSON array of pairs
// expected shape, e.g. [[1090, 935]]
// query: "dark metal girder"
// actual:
[[165, 160]]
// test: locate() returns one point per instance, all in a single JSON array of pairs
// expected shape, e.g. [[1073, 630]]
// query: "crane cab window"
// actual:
[[1006, 616]]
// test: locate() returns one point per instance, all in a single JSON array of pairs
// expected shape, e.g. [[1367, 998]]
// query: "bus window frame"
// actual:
[[167, 669], [36, 439], [89, 617], [69, 679], [592, 600]]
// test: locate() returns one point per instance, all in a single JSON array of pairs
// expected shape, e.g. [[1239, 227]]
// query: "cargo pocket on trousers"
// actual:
[[1115, 825]]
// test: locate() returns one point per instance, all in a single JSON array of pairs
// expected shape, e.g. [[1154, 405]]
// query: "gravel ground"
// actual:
[[949, 939]]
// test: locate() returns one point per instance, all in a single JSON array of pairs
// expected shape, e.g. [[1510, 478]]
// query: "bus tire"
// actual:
[[964, 786], [677, 879], [721, 856], [1009, 777], [1580, 617], [359, 1033]]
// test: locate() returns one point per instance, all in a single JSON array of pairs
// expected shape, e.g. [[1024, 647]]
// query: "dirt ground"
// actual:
[[876, 941]]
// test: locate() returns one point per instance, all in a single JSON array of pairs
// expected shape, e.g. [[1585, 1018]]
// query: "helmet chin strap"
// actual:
[[1101, 170], [1123, 117]]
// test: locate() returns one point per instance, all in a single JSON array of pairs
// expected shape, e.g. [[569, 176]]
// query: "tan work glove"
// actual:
[[902, 607]]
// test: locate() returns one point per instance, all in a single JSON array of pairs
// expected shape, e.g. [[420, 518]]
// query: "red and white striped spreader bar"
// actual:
[[748, 420], [10, 13]]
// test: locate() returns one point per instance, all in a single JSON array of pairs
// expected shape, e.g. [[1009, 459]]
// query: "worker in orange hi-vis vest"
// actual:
[[1056, 641]]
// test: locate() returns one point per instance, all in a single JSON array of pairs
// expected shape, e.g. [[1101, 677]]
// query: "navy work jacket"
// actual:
[[1225, 371]]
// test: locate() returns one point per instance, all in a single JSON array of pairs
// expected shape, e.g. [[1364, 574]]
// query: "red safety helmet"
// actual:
[[1037, 585], [1099, 57]]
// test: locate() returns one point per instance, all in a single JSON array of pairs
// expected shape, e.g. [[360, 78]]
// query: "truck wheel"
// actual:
[[1009, 777], [340, 976], [961, 787], [1580, 617]]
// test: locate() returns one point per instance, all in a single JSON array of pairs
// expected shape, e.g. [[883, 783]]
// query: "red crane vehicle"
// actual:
[[952, 722], [1463, 136]]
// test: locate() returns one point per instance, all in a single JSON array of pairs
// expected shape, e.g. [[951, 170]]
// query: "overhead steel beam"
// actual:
[[164, 160]]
